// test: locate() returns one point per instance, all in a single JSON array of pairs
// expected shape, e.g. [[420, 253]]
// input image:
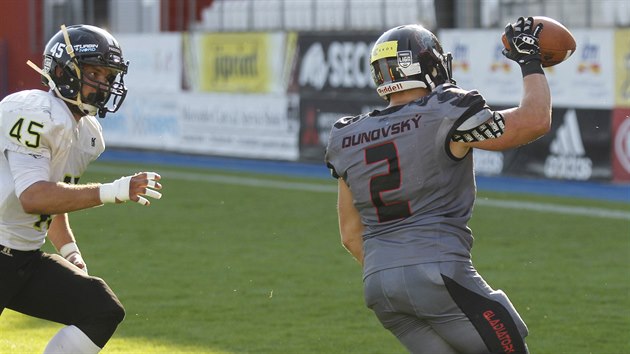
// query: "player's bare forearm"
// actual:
[[350, 225], [61, 236], [536, 103], [57, 198], [59, 232], [532, 119], [354, 245]]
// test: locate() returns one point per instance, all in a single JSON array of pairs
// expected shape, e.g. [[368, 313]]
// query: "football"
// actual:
[[556, 42]]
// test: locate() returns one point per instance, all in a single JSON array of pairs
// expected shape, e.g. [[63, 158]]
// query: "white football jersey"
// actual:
[[38, 124]]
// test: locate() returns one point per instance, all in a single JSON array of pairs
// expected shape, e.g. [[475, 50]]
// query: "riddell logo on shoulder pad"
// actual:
[[567, 155]]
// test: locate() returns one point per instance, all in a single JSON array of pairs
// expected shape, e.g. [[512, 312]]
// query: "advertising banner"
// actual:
[[577, 148], [488, 163], [621, 145], [239, 62], [259, 128], [145, 121], [155, 61], [251, 126], [333, 78], [585, 80], [622, 67], [479, 65], [317, 115], [335, 64]]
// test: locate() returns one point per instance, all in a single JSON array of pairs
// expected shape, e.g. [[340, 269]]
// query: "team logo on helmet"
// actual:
[[404, 58], [85, 48], [47, 64]]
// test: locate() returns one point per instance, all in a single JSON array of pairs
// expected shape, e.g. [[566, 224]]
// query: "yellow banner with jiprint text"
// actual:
[[622, 67], [234, 62]]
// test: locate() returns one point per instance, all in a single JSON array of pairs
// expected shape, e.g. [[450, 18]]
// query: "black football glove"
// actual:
[[523, 41]]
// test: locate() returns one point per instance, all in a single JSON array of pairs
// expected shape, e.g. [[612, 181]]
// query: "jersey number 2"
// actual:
[[386, 182]]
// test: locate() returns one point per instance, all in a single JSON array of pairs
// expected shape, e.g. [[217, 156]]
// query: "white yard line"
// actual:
[[555, 208], [313, 187]]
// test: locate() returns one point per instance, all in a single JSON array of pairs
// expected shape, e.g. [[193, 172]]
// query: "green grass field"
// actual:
[[235, 263]]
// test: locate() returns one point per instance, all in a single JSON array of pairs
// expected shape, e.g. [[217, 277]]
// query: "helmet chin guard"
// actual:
[[87, 109], [408, 57]]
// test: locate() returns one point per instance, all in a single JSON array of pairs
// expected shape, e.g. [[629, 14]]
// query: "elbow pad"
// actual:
[[471, 131]]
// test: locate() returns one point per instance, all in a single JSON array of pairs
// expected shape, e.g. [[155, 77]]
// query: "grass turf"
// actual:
[[221, 266]]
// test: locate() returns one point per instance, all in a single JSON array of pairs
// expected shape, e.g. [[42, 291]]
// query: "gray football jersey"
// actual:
[[414, 197]]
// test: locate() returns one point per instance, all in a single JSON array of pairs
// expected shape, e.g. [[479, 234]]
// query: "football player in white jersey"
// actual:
[[47, 140], [407, 189]]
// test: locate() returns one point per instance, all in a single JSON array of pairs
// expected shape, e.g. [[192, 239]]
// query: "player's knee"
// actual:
[[110, 309], [105, 308], [114, 312], [105, 314]]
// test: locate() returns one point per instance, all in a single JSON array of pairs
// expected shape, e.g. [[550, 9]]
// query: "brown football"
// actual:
[[556, 42]]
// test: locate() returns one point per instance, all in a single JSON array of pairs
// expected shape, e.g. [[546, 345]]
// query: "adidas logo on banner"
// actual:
[[566, 159]]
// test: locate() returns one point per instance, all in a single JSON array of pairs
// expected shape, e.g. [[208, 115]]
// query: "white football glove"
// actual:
[[119, 189], [70, 251]]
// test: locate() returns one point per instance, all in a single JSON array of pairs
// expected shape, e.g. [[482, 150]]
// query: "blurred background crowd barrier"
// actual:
[[267, 78]]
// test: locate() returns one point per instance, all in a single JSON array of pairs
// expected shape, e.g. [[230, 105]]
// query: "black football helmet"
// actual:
[[407, 57], [70, 50]]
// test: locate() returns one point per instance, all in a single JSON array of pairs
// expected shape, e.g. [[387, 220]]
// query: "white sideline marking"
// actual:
[[555, 208], [312, 187]]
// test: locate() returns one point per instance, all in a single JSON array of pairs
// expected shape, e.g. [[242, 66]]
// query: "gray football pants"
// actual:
[[447, 307]]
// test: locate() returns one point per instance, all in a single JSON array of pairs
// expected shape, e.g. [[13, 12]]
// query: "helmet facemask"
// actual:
[[97, 100]]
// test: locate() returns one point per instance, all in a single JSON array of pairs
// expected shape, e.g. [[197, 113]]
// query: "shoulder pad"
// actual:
[[27, 123], [345, 121], [458, 97]]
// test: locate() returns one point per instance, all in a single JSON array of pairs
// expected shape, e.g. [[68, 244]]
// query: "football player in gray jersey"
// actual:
[[47, 140], [406, 191]]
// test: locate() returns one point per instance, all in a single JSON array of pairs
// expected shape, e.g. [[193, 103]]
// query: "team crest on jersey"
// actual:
[[404, 58]]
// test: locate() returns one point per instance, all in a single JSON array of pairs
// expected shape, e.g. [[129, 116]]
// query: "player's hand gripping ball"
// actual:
[[556, 43]]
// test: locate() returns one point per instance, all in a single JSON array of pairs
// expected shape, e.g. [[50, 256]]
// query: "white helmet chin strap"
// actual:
[[84, 107], [88, 109]]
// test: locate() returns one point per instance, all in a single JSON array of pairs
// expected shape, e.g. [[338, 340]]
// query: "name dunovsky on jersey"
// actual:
[[414, 197], [37, 124], [381, 133]]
